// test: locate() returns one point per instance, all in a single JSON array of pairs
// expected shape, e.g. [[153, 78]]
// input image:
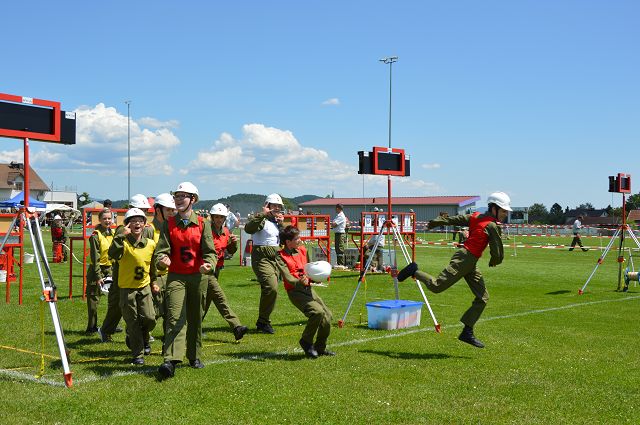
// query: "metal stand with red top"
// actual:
[[387, 161], [89, 221], [24, 118], [313, 228], [617, 184], [11, 239]]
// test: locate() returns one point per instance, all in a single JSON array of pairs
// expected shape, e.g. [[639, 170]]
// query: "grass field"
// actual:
[[552, 356]]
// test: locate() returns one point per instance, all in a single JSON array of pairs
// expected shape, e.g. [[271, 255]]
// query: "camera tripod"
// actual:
[[389, 224], [49, 294], [619, 233]]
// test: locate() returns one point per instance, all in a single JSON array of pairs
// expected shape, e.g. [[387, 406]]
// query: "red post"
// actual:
[[25, 189]]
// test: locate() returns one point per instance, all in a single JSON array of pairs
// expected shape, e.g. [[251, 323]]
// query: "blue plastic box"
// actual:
[[394, 314]]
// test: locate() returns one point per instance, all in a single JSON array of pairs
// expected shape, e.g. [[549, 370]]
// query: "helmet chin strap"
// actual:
[[181, 211]]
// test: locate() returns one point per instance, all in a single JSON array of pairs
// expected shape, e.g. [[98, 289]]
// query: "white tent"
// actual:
[[70, 213], [93, 204], [59, 207]]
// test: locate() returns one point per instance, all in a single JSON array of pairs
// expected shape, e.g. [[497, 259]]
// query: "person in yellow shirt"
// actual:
[[99, 267], [134, 251]]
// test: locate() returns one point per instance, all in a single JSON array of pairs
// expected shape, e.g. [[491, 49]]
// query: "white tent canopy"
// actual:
[[59, 207], [94, 204]]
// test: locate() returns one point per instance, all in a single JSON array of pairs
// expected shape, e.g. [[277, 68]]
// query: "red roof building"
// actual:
[[425, 207]]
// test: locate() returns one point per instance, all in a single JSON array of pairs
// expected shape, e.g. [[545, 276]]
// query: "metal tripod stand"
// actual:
[[394, 271], [49, 294], [620, 231]]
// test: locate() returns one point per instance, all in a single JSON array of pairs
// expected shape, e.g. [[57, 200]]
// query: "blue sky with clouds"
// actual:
[[540, 99]]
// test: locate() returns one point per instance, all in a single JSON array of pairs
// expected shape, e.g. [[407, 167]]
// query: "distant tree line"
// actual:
[[539, 214]]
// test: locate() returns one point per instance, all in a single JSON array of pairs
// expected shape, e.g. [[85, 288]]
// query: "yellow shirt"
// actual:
[[134, 265], [105, 243]]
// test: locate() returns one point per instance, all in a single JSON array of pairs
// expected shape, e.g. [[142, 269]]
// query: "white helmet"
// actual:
[[318, 271], [501, 199], [219, 209], [274, 198], [166, 200], [106, 284], [57, 217], [188, 187], [134, 212], [139, 201]]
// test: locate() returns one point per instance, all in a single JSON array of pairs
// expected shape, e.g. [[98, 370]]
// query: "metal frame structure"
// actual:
[[49, 294], [619, 234]]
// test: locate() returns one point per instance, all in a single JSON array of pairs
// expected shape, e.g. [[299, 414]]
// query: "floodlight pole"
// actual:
[[389, 60], [128, 102]]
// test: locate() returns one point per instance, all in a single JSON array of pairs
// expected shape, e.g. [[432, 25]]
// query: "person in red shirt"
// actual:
[[223, 241], [291, 261], [484, 230]]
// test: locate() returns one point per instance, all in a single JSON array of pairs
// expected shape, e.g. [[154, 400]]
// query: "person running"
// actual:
[[484, 230], [577, 225], [186, 249], [114, 313], [265, 229], [99, 267], [291, 261], [133, 252], [224, 241], [163, 208]]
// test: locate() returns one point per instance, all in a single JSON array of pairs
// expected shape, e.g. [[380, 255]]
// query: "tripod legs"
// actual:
[[394, 273], [618, 233], [49, 294]]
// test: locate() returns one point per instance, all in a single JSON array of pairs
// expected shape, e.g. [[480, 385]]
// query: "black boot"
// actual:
[[309, 349], [265, 328], [167, 370], [239, 331], [467, 336]]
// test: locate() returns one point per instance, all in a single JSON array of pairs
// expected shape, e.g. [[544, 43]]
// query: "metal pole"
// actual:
[[128, 102], [389, 60], [390, 68]]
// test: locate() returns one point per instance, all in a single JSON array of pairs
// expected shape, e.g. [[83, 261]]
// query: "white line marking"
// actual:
[[152, 370]]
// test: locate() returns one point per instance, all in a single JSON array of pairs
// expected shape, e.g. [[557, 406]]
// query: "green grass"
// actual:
[[552, 356]]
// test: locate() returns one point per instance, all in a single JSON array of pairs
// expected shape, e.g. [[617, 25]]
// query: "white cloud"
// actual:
[[262, 137], [331, 102], [267, 159], [101, 145], [12, 156], [156, 123], [432, 166]]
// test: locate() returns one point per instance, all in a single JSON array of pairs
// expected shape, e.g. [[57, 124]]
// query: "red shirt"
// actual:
[[295, 263], [186, 252], [221, 243], [478, 237]]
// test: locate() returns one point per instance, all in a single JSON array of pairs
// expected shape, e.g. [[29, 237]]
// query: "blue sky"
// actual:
[[540, 99]]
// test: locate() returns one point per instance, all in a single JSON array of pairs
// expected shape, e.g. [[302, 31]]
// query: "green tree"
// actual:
[[83, 199], [585, 206], [538, 213], [556, 215], [633, 202]]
